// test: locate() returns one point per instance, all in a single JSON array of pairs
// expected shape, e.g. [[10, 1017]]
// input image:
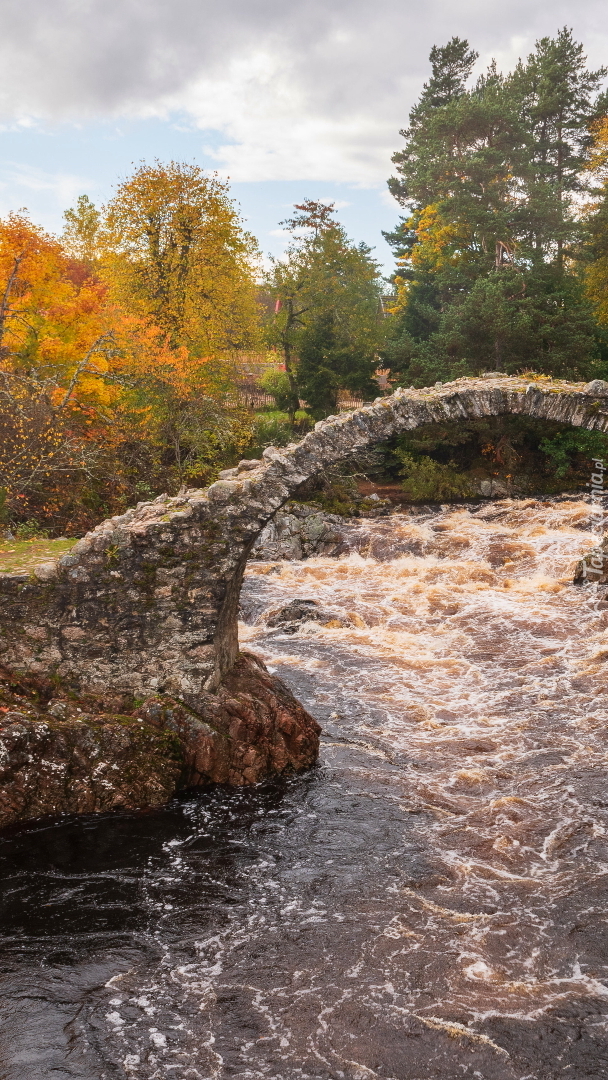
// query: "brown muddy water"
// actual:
[[428, 903]]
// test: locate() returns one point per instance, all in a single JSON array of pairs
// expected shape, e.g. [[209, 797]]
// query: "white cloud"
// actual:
[[23, 181], [272, 133], [307, 91]]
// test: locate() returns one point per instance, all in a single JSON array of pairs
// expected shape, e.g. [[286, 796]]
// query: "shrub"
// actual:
[[565, 446], [426, 479], [30, 530], [277, 385]]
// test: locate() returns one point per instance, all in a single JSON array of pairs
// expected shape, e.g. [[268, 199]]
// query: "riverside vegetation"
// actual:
[[431, 900], [122, 341]]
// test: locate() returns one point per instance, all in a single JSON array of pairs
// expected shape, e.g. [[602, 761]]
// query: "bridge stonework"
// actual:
[[147, 602]]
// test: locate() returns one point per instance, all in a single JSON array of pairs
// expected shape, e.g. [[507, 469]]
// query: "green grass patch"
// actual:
[[16, 555]]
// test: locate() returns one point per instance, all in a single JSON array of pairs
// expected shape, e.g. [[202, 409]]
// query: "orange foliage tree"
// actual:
[[56, 356], [106, 393]]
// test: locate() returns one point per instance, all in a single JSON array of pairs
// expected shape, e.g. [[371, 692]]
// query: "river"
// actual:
[[430, 902]]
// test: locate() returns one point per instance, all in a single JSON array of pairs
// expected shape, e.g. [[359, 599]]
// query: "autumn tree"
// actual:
[[176, 253], [114, 342], [177, 257], [81, 232], [57, 351], [96, 408]]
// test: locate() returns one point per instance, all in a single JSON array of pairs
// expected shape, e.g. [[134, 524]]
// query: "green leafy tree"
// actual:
[[277, 384], [326, 296], [425, 478], [81, 231]]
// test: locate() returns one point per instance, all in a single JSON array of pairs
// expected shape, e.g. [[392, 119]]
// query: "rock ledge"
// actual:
[[65, 752]]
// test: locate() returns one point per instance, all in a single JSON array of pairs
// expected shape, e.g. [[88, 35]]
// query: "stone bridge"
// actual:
[[148, 601]]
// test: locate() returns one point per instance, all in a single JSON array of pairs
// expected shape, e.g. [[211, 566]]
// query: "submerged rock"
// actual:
[[63, 753], [290, 617]]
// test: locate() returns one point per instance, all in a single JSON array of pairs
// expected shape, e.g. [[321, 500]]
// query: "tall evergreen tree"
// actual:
[[490, 175], [596, 270], [326, 322], [558, 98]]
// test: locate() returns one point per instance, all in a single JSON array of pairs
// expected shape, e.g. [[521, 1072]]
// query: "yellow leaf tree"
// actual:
[[176, 252]]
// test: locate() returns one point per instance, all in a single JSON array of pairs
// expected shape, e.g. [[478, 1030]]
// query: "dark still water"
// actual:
[[431, 901]]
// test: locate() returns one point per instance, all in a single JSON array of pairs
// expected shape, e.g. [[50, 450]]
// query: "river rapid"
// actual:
[[430, 902]]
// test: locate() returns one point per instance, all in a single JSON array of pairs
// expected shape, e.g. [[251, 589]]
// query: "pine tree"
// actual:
[[490, 174], [558, 99]]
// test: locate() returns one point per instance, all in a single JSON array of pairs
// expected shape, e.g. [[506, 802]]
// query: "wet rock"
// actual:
[[251, 729], [593, 567], [50, 766], [70, 755], [290, 617], [298, 533]]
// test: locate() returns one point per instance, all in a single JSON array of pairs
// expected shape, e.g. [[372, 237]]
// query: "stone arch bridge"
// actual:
[[147, 602]]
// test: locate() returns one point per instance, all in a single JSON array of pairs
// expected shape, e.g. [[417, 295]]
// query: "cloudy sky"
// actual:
[[290, 100]]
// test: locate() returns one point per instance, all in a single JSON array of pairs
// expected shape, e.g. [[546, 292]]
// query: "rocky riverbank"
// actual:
[[300, 530], [68, 752]]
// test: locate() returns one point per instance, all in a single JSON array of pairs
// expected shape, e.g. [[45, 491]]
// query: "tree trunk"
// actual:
[[294, 403]]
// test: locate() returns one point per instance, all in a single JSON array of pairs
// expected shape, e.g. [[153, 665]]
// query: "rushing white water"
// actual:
[[482, 669], [431, 901]]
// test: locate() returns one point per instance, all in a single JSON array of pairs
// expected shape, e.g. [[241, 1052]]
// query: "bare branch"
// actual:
[[82, 367], [4, 303]]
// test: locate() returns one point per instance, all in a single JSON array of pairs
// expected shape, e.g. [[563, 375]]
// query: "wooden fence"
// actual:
[[257, 399]]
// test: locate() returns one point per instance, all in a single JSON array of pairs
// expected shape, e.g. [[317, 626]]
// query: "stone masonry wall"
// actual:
[[148, 600]]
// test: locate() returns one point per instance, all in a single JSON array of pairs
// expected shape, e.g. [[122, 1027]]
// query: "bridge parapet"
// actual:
[[148, 600]]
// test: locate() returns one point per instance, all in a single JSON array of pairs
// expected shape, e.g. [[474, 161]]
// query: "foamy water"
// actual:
[[430, 902]]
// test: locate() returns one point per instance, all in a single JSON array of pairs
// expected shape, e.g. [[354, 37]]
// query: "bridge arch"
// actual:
[[148, 600]]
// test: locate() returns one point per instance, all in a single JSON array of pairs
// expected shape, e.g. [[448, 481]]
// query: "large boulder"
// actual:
[[251, 728], [64, 752]]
